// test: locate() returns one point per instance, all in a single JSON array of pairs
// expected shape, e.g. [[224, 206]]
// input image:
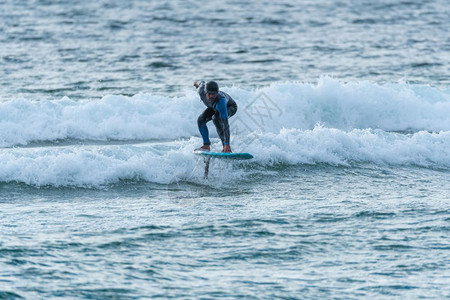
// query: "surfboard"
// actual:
[[223, 155]]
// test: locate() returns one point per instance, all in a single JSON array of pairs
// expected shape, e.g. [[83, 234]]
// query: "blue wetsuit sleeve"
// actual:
[[222, 108]]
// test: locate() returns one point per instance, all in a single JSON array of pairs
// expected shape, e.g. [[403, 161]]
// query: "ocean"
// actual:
[[345, 106]]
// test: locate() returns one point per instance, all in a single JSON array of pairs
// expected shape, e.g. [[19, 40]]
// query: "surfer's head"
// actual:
[[211, 90]]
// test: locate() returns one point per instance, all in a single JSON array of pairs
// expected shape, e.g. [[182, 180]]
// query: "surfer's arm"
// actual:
[[222, 108], [200, 85], [201, 92]]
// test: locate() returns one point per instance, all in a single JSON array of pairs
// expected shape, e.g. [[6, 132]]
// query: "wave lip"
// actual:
[[345, 106], [360, 105], [110, 118]]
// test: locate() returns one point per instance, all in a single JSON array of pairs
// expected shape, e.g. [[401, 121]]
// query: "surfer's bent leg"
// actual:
[[218, 122], [222, 126], [204, 118]]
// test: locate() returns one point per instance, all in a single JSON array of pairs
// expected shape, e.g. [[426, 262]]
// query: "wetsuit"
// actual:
[[219, 110]]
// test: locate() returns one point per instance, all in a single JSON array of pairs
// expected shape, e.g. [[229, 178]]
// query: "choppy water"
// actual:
[[85, 49], [344, 104]]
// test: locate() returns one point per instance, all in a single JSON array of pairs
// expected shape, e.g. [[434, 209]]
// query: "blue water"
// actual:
[[344, 104]]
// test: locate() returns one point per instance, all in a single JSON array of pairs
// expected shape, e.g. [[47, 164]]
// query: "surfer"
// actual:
[[219, 108]]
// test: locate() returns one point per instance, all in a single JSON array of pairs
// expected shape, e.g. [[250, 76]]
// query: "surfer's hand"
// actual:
[[226, 149], [196, 84]]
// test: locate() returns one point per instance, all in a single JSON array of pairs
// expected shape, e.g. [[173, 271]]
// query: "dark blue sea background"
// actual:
[[345, 106]]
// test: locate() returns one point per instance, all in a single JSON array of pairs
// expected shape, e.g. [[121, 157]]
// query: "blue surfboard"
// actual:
[[224, 155]]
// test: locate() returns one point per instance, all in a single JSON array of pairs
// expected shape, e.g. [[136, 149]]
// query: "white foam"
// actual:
[[94, 165], [165, 163], [292, 123], [338, 147], [346, 106]]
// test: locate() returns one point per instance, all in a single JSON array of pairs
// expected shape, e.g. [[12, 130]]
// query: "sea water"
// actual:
[[345, 106]]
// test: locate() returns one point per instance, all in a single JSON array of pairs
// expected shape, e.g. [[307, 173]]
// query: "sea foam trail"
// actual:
[[173, 161], [338, 147], [93, 166], [345, 106]]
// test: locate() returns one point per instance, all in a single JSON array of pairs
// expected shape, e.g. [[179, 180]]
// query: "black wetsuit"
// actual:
[[219, 110]]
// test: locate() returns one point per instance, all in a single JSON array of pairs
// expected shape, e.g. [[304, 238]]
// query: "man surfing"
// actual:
[[219, 108]]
